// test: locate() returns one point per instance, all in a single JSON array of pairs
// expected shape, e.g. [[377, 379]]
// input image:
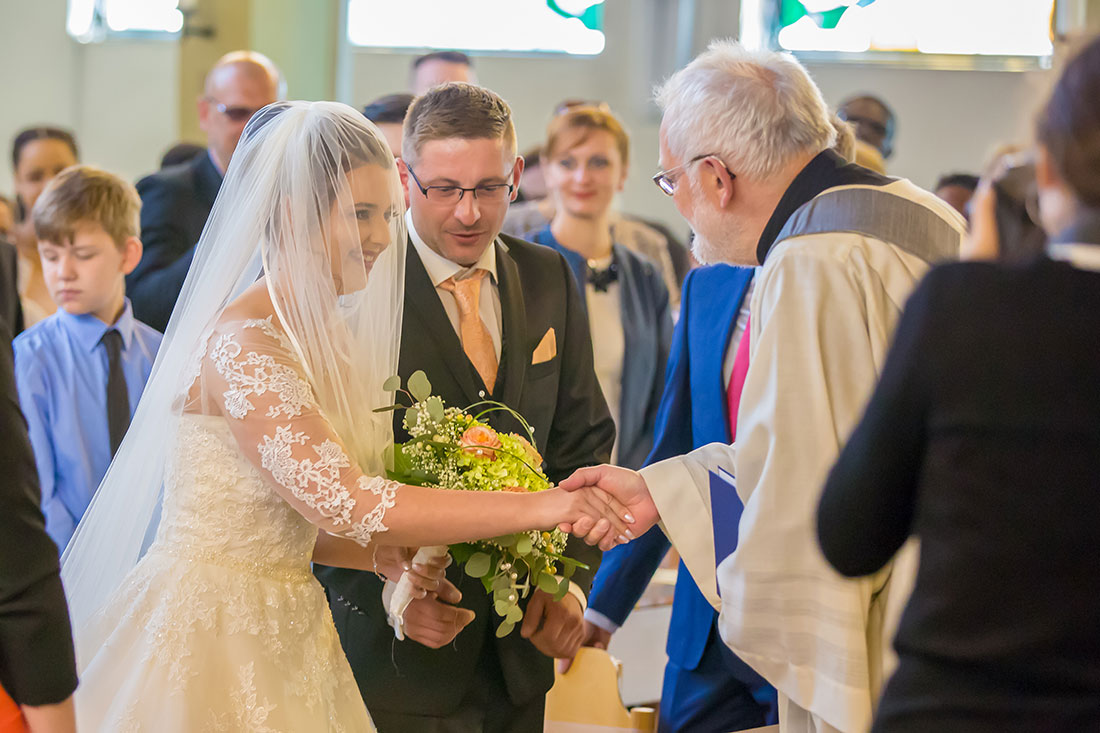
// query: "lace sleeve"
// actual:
[[252, 374]]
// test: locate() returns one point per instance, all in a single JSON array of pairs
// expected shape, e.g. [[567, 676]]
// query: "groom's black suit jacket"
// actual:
[[560, 398]]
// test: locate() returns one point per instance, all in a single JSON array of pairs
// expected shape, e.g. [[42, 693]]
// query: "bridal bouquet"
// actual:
[[450, 448]]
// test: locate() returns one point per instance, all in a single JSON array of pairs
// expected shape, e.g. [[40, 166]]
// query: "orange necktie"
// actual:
[[476, 341]]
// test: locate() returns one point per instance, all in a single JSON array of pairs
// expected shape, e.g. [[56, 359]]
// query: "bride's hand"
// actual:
[[591, 511], [391, 561]]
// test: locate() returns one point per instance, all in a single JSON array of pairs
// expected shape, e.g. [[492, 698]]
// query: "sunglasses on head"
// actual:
[[235, 114]]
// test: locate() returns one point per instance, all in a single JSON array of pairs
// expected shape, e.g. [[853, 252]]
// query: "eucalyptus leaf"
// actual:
[[563, 589], [392, 384], [419, 385], [435, 408], [504, 629], [507, 540], [524, 545], [502, 582], [567, 570], [514, 615], [501, 607], [478, 565], [547, 583]]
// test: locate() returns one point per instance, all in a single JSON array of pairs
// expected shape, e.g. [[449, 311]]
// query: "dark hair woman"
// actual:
[[983, 440], [37, 155]]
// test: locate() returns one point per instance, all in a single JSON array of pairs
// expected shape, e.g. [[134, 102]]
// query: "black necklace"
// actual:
[[601, 279]]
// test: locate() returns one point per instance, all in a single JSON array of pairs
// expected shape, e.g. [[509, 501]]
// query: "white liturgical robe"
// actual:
[[823, 311]]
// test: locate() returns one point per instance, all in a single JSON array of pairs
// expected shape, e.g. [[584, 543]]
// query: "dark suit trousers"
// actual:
[[487, 709], [711, 698]]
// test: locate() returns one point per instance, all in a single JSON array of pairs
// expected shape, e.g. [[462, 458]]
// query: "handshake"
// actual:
[[604, 506]]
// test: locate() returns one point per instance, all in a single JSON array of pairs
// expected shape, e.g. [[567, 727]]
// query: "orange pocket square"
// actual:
[[546, 350]]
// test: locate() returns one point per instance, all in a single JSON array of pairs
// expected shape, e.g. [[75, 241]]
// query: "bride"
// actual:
[[255, 450]]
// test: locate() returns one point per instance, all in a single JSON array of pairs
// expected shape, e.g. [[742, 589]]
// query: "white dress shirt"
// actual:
[[605, 322], [440, 268]]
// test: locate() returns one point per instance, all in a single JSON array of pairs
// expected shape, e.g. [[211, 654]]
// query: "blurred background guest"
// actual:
[[388, 114], [37, 664], [587, 154], [869, 157], [37, 155], [176, 201], [873, 120], [1004, 216], [532, 183], [659, 245], [983, 440], [957, 189], [845, 145], [180, 153], [440, 67]]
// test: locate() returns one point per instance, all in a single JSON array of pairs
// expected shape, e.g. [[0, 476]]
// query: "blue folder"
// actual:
[[726, 509]]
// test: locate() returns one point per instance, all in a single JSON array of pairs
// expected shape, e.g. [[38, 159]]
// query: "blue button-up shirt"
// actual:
[[61, 374]]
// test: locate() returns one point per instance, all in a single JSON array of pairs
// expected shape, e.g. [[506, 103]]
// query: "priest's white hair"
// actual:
[[756, 109]]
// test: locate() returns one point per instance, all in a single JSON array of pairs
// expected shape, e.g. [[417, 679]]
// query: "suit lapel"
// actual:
[[513, 338], [712, 332], [422, 301], [208, 178]]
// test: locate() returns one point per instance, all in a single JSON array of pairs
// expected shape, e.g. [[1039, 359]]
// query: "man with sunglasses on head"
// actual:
[[487, 317], [873, 121], [176, 201]]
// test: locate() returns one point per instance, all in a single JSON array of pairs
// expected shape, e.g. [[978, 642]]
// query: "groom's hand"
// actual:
[[434, 621], [556, 628], [628, 487]]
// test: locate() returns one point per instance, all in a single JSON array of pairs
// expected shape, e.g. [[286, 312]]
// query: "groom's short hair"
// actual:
[[456, 110]]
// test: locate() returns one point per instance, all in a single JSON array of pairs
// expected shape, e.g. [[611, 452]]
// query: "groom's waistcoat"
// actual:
[[560, 398]]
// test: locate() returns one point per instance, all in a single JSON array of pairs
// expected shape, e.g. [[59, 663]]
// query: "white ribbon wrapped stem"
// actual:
[[398, 596]]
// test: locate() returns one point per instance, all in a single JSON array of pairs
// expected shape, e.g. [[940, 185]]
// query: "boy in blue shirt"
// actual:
[[81, 371]]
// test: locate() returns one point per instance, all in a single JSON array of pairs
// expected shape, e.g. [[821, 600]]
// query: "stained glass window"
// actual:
[[967, 27], [560, 26]]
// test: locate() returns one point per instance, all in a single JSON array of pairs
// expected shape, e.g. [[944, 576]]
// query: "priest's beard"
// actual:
[[718, 238]]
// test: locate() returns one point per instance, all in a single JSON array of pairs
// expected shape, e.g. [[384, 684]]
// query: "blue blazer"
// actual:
[[647, 334], [693, 413]]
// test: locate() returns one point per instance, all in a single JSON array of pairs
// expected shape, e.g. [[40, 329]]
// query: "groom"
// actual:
[[487, 316]]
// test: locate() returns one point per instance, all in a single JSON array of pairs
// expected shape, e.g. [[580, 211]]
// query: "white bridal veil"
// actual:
[[311, 203]]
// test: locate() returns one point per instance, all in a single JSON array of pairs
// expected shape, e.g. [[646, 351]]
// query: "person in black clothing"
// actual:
[[37, 664], [176, 201], [983, 440], [11, 310]]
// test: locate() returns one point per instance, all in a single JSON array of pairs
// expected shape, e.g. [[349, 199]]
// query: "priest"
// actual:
[[745, 149]]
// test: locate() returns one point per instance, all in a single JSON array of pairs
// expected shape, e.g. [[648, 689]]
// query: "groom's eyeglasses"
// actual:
[[234, 114], [491, 193]]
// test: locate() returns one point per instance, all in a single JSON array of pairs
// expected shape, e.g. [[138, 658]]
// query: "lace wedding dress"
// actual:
[[221, 626]]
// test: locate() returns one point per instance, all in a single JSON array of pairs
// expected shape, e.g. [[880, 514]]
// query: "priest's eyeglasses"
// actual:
[[666, 180], [490, 193]]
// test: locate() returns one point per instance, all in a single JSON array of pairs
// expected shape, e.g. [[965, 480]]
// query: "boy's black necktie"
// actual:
[[118, 399]]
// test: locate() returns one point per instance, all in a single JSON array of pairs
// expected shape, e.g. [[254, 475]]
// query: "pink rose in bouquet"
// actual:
[[480, 440]]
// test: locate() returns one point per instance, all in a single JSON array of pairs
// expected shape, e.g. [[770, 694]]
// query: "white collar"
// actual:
[[1082, 256], [440, 268]]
